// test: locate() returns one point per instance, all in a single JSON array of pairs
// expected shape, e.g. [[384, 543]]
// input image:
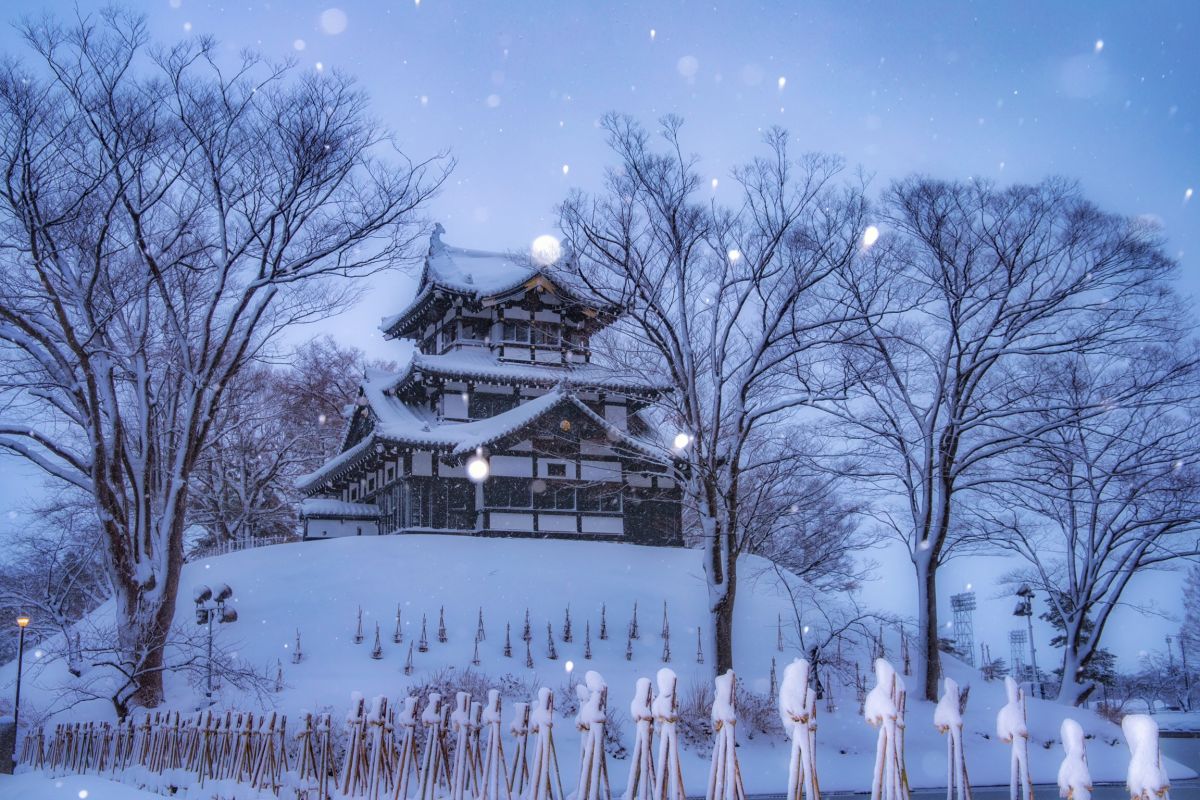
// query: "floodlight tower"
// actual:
[[1017, 642], [963, 604], [211, 607]]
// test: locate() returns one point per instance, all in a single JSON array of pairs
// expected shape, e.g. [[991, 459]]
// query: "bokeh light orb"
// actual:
[[545, 250]]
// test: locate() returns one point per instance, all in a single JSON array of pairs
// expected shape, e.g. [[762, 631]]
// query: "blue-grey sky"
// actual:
[[1103, 91]]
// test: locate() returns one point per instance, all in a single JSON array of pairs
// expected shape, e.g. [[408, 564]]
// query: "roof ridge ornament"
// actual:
[[436, 245]]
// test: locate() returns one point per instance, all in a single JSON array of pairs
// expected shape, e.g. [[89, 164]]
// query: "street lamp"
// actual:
[[210, 606], [22, 624], [1025, 609]]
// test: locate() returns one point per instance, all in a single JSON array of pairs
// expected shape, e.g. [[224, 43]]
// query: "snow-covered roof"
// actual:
[[474, 273], [400, 423], [338, 509], [478, 364]]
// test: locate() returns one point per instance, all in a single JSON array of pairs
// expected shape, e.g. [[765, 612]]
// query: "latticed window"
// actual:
[[597, 498], [556, 499], [507, 493], [516, 331]]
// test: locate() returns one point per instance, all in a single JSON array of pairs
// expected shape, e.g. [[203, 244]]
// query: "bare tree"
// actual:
[[726, 305], [54, 571], [969, 287], [804, 522], [276, 422], [162, 218], [1112, 493], [240, 486]]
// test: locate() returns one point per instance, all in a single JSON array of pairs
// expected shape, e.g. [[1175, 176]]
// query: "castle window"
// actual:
[[475, 330], [516, 331], [507, 493], [484, 405], [594, 498], [557, 499], [546, 333]]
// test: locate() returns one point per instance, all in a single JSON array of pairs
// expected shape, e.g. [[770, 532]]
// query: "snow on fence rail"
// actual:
[[460, 753]]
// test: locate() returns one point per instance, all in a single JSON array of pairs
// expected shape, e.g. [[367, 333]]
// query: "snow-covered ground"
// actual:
[[319, 586], [31, 786]]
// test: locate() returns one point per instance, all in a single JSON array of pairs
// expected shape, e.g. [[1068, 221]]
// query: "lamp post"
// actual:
[[1025, 609], [22, 624], [210, 606]]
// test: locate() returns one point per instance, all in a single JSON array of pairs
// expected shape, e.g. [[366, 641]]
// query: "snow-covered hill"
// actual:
[[318, 587]]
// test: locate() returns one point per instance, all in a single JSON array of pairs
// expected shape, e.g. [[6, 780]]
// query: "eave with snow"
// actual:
[[502, 369]]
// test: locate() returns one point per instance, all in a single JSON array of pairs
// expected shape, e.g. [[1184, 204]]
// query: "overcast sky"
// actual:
[[1104, 92]]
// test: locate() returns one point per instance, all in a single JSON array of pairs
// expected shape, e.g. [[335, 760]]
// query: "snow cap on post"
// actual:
[[639, 707], [793, 693], [543, 715], [1147, 778], [664, 704], [462, 706], [433, 709], [491, 712], [407, 716], [1010, 722], [880, 703], [946, 714], [593, 711], [1074, 778], [201, 593], [723, 709]]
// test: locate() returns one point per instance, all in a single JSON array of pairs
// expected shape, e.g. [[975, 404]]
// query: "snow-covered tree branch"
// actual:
[[968, 290], [1107, 496], [729, 306], [162, 218]]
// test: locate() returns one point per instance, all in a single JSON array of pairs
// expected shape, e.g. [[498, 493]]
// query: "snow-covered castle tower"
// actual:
[[501, 371]]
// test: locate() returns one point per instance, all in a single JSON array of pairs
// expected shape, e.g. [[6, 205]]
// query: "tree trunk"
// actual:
[[149, 610], [1073, 691], [1077, 651], [929, 659], [723, 622]]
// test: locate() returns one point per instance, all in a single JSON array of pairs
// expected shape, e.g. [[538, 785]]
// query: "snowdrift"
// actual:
[[318, 588]]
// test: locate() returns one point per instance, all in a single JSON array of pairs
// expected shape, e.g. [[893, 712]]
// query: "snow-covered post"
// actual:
[[433, 763], [1012, 729], [798, 711], [882, 709], [493, 783], [354, 775], [546, 783], [379, 777], [304, 780], [640, 785], [1074, 777], [593, 768], [724, 774], [668, 773], [1147, 779], [947, 718], [459, 724], [377, 648], [406, 747], [518, 779], [581, 726]]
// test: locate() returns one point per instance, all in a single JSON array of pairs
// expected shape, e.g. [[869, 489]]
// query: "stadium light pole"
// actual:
[[1025, 609], [210, 606], [22, 624]]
